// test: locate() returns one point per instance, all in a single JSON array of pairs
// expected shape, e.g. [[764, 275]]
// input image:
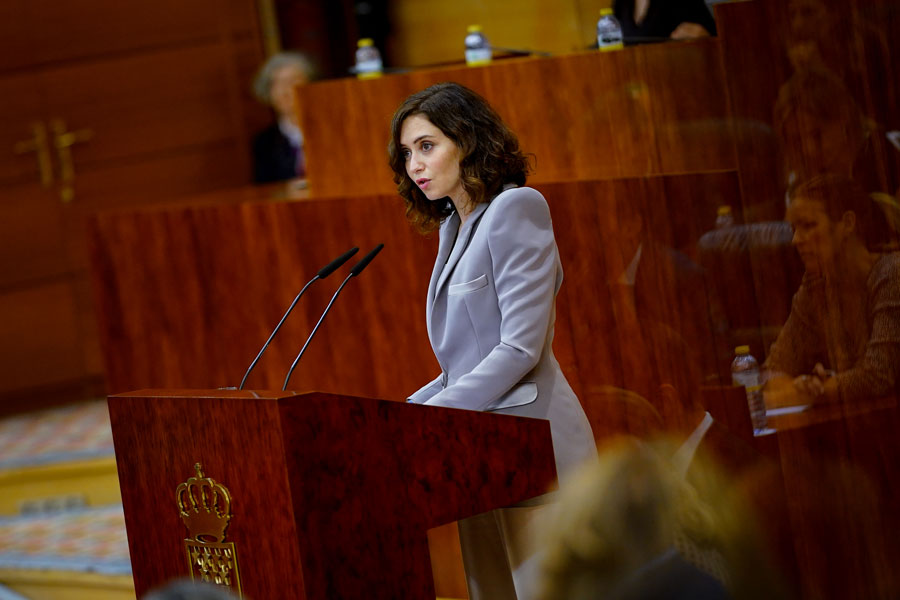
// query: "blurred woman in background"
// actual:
[[278, 149], [842, 338]]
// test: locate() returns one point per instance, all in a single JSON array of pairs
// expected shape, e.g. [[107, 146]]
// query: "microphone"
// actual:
[[322, 274], [356, 270]]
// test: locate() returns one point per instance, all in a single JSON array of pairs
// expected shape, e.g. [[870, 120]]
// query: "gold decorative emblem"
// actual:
[[205, 508]]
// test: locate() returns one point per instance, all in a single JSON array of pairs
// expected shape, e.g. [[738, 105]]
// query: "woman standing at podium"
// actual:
[[491, 299]]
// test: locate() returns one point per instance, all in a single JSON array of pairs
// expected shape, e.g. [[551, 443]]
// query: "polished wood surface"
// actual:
[[156, 100], [187, 295], [839, 467], [584, 116], [762, 50], [206, 318], [667, 133], [199, 322], [557, 27], [343, 488]]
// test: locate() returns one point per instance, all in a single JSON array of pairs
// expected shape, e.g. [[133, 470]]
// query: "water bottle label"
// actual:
[[748, 379], [478, 56], [609, 41], [368, 69]]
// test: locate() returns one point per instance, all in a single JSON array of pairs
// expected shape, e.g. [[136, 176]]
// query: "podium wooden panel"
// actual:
[[331, 495]]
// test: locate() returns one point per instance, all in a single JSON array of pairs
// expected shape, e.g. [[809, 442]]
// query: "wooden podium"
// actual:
[[330, 496]]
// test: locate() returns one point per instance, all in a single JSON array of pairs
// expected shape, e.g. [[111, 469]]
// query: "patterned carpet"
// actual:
[[90, 540], [85, 539], [73, 432]]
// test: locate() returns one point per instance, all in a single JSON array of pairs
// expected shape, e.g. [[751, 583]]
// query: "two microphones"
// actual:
[[321, 274]]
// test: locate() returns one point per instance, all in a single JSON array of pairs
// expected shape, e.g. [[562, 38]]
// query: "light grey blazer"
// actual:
[[490, 314]]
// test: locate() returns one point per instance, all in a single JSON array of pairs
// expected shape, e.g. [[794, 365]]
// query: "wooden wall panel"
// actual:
[[557, 27], [756, 68], [42, 32], [186, 296], [34, 233], [849, 44], [229, 274], [585, 116], [55, 307], [161, 102], [163, 90]]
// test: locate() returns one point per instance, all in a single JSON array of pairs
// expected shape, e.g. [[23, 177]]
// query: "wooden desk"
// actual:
[[797, 417], [584, 116], [839, 467]]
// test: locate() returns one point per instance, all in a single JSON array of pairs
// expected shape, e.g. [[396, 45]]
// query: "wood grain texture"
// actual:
[[232, 271], [163, 89], [558, 27], [840, 480], [187, 296], [237, 439], [329, 493], [752, 37], [585, 116]]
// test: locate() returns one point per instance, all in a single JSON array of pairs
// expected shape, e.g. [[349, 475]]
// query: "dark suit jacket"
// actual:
[[662, 18], [274, 158]]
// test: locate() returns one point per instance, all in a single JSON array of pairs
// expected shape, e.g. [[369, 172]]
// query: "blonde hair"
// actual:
[[631, 507]]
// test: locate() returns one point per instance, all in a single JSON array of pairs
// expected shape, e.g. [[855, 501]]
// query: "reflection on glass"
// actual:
[[842, 339]]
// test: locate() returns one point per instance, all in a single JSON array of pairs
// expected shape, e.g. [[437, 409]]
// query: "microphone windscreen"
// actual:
[[362, 264], [336, 263]]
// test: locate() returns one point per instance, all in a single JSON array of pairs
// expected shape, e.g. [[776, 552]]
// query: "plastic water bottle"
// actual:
[[609, 32], [724, 217], [745, 372], [368, 59], [478, 49]]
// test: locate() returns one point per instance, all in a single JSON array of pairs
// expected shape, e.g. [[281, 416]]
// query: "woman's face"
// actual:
[[432, 160], [817, 238], [284, 80]]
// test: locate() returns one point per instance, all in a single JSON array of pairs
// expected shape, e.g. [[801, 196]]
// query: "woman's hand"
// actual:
[[813, 385], [809, 385], [689, 31]]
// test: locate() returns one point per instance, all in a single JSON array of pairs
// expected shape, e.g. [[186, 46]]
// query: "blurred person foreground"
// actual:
[[633, 526], [186, 589]]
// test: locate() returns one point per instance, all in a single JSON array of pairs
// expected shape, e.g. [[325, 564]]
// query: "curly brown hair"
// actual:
[[489, 151]]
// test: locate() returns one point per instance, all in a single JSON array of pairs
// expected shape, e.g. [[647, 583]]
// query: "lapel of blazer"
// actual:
[[462, 241], [445, 245]]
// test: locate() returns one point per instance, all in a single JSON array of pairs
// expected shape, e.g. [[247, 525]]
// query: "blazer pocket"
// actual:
[[456, 289], [520, 395]]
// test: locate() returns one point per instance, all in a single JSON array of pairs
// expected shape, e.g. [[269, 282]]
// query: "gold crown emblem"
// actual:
[[205, 507]]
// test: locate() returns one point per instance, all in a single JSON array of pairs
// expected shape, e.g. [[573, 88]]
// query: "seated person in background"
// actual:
[[652, 20], [278, 149], [842, 338]]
